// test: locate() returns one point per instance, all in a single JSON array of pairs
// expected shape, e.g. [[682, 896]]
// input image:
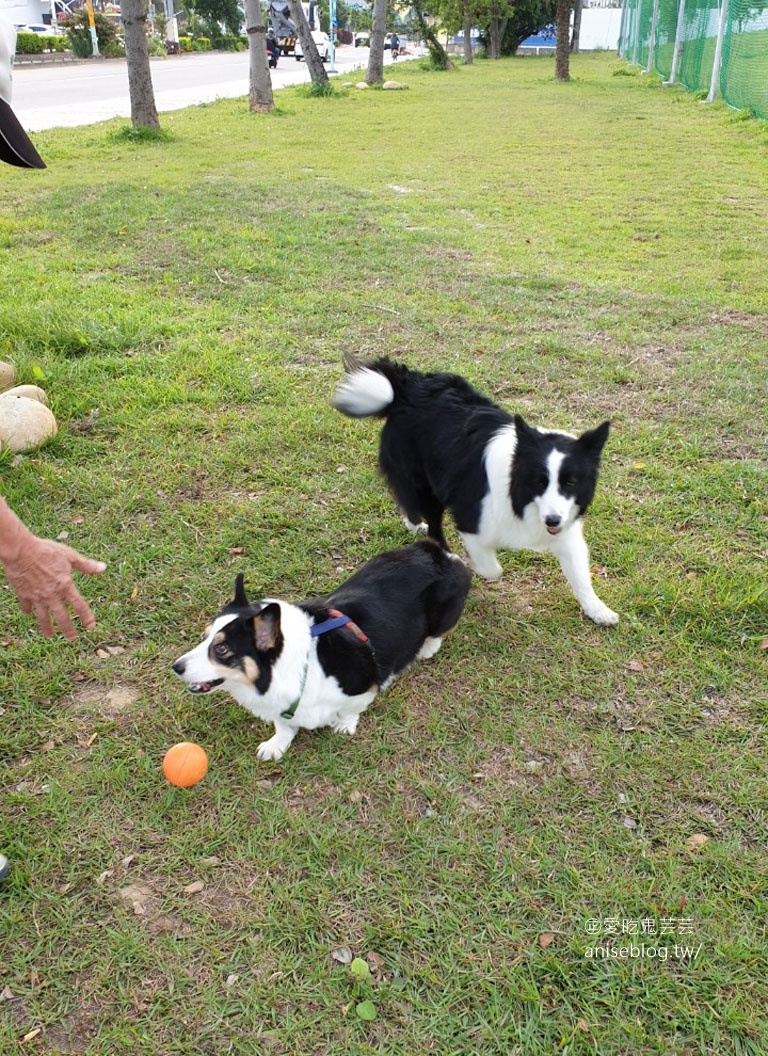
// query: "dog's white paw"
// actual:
[[345, 724], [420, 528], [490, 570], [272, 749], [602, 615], [429, 648]]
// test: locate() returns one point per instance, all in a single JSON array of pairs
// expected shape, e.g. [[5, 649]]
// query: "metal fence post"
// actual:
[[652, 41], [718, 52], [678, 44], [636, 44]]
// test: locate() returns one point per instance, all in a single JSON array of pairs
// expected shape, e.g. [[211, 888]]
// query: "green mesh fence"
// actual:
[[679, 39], [744, 69], [698, 50], [666, 26]]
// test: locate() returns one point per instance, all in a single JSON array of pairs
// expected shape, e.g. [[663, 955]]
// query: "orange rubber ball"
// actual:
[[185, 764]]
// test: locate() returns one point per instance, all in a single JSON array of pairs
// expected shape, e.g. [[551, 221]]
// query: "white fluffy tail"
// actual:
[[364, 392]]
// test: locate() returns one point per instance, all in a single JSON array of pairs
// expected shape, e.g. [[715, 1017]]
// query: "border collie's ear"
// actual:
[[240, 595], [524, 431], [593, 441], [266, 628]]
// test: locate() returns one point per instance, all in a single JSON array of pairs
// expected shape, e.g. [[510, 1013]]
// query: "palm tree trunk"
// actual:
[[140, 90], [562, 47], [260, 99], [308, 46], [375, 73]]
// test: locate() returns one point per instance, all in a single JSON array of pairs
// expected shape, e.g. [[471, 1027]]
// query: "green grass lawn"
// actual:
[[584, 251]]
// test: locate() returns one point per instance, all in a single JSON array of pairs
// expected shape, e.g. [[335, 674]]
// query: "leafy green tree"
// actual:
[[437, 53], [504, 24], [217, 13], [526, 19]]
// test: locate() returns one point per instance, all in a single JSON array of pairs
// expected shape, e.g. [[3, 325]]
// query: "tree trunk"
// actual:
[[496, 29], [467, 37], [140, 90], [576, 26], [308, 46], [260, 98], [562, 52], [437, 52], [375, 74]]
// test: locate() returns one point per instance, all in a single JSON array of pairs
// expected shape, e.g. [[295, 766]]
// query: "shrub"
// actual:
[[228, 42], [79, 34], [201, 44], [115, 49], [185, 43], [30, 44]]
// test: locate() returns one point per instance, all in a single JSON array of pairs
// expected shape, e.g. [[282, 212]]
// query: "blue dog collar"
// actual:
[[329, 625], [337, 619]]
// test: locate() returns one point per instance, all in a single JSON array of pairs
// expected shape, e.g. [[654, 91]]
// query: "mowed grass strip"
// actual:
[[542, 787]]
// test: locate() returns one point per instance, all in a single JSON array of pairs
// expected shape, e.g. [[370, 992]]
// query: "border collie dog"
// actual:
[[322, 662], [446, 446]]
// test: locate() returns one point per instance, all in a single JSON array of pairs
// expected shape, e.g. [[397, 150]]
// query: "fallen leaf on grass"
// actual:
[[634, 665], [32, 1034], [194, 888], [343, 955], [546, 939], [359, 969], [697, 840], [366, 1011]]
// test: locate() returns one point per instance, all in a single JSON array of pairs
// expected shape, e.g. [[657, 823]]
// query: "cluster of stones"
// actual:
[[26, 421]]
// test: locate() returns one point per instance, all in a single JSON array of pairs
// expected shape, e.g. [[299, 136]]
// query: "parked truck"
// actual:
[[283, 25]]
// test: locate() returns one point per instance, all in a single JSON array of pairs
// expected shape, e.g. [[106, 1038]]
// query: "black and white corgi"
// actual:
[[321, 662], [446, 446]]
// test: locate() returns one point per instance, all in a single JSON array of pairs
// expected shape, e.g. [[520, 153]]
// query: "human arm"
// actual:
[[40, 571]]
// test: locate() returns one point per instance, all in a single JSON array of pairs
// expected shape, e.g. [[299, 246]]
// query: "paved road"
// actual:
[[84, 93]]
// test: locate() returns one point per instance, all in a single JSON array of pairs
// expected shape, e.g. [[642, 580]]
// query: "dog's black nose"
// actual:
[[552, 521], [179, 666]]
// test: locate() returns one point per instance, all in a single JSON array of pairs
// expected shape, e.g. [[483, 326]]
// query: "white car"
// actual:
[[40, 29], [322, 43]]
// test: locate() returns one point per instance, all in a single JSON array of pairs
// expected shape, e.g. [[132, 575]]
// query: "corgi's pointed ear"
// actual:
[[266, 628], [593, 440], [240, 597]]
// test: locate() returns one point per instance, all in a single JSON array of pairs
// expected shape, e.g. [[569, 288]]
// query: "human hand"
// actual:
[[41, 574]]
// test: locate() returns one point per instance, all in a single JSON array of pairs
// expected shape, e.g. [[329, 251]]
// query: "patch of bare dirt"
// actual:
[[110, 703]]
